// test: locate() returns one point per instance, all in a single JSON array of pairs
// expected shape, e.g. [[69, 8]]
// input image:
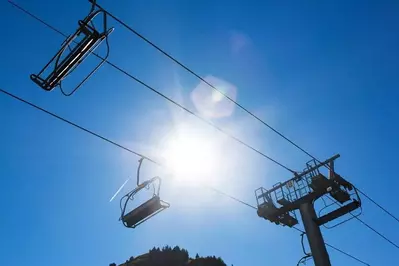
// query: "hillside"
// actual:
[[171, 257]]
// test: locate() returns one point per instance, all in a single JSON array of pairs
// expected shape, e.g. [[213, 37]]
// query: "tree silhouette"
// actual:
[[168, 256]]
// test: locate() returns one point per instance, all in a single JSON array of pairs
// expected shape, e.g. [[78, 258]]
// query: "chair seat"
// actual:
[[143, 211]]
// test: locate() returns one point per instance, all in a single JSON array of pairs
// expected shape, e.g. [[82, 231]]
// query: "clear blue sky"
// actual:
[[323, 72]]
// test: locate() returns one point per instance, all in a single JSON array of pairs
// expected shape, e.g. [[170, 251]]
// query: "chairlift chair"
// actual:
[[146, 210], [342, 192], [90, 39], [346, 197]]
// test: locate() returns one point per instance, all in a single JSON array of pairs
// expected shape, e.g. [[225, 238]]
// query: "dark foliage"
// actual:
[[207, 261], [168, 256]]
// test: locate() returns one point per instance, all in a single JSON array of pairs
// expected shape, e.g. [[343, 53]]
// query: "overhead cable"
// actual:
[[141, 36], [174, 59], [336, 249], [378, 205], [368, 226], [163, 95], [84, 129], [97, 135]]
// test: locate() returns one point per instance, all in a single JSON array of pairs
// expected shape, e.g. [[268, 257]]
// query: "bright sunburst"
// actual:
[[191, 157]]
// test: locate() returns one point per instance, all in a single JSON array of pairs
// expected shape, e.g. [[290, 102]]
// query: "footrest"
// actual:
[[338, 213]]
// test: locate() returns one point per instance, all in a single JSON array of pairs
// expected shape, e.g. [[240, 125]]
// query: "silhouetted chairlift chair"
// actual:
[[78, 50], [146, 210], [349, 194], [342, 193]]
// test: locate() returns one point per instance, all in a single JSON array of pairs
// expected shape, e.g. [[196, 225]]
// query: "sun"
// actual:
[[191, 157]]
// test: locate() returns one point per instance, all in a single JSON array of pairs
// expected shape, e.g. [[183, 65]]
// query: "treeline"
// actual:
[[168, 256]]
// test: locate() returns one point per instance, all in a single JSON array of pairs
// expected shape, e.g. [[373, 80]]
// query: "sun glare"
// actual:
[[191, 158]]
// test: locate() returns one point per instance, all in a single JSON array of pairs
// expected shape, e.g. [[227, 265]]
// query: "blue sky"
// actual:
[[322, 72]]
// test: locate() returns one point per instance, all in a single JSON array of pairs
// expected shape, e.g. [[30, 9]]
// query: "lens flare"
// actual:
[[213, 103]]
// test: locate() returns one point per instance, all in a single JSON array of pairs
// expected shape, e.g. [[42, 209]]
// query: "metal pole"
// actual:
[[316, 242]]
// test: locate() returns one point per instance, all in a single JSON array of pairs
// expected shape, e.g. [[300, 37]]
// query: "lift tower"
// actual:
[[280, 203]]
